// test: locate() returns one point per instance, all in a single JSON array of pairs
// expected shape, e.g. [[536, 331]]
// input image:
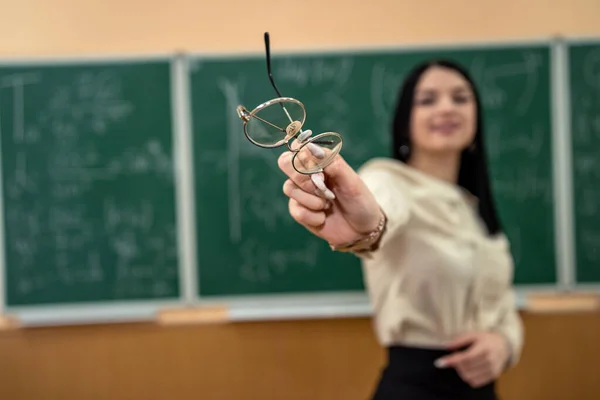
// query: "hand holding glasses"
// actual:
[[279, 121]]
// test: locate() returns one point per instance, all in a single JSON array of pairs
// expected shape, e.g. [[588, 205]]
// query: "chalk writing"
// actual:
[[304, 72], [523, 185], [263, 262], [585, 125], [74, 213], [491, 81], [591, 68]]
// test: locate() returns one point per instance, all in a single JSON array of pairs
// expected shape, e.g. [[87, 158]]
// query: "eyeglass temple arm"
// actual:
[[268, 52]]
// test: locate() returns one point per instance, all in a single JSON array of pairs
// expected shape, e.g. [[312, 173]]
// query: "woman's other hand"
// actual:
[[482, 361]]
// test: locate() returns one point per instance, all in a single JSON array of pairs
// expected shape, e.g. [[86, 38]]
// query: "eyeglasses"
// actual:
[[276, 122]]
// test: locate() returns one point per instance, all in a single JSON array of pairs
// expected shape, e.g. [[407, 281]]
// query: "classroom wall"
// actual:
[[133, 26], [323, 359]]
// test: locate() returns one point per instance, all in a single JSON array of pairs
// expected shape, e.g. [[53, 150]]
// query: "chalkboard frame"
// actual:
[[119, 310]]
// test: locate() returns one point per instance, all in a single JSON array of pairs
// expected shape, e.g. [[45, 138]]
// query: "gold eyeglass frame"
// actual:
[[291, 131]]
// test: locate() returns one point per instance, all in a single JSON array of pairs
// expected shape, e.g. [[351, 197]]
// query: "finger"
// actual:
[[308, 183], [302, 137], [312, 157], [304, 216], [308, 200], [316, 151], [471, 373], [451, 360], [304, 182], [475, 362], [460, 357], [463, 340], [477, 378], [319, 181]]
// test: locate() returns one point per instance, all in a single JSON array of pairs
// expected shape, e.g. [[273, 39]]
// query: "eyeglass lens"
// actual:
[[317, 153], [268, 125]]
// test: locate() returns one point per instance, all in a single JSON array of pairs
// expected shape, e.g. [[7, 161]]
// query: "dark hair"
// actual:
[[473, 174]]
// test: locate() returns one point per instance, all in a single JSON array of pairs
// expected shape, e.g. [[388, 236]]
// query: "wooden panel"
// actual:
[[321, 359]]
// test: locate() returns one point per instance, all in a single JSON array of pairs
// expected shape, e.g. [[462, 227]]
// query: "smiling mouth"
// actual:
[[446, 128]]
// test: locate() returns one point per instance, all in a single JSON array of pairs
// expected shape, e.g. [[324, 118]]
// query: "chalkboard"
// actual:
[[88, 182], [584, 83], [248, 243]]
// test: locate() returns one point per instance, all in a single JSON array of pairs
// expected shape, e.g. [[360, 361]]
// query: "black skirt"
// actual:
[[411, 375]]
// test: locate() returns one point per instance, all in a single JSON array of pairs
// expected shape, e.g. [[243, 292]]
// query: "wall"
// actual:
[[132, 26], [326, 359]]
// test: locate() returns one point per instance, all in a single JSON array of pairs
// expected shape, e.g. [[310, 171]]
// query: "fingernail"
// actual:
[[439, 363], [329, 194], [319, 181], [316, 150], [302, 137]]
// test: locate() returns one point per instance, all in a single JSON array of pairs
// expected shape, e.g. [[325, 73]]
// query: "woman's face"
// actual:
[[443, 119]]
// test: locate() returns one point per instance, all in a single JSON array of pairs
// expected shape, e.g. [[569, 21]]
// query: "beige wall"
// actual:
[[95, 26], [335, 359]]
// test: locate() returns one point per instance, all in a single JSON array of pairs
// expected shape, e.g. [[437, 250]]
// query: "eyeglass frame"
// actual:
[[292, 129]]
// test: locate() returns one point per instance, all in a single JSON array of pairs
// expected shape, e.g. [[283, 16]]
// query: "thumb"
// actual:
[[341, 175], [354, 197]]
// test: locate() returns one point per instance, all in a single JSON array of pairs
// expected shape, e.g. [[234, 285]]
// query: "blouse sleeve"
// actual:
[[511, 327], [392, 198]]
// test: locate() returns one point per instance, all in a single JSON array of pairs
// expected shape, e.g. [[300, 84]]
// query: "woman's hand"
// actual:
[[482, 361], [345, 213]]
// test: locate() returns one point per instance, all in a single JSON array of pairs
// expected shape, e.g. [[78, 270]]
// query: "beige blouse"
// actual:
[[436, 273]]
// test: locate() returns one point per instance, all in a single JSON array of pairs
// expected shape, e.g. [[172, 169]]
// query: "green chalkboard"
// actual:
[[247, 242], [88, 182], [584, 82]]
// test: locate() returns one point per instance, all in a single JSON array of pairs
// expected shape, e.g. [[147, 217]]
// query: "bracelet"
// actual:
[[369, 242]]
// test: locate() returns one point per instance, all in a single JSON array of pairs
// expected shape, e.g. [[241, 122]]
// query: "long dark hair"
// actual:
[[473, 175]]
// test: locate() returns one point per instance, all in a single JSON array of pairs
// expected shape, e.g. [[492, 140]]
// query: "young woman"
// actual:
[[437, 266]]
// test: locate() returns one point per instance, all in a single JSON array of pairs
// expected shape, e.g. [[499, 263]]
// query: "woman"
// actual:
[[437, 266]]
